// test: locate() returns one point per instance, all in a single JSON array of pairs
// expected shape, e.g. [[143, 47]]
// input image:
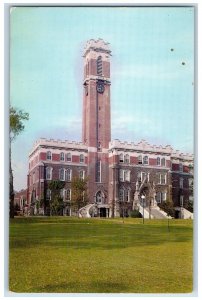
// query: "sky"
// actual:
[[152, 74]]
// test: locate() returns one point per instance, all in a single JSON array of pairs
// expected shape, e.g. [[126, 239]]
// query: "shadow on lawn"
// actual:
[[80, 287]]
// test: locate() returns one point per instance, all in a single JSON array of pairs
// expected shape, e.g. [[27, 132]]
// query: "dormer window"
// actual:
[[121, 158], [158, 161], [145, 160], [181, 167], [48, 155], [99, 66], [69, 157], [126, 159], [62, 156], [81, 158], [163, 162], [140, 160]]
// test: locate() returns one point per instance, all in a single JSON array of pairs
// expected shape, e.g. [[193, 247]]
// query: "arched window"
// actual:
[[62, 156], [121, 158], [99, 66], [163, 162], [48, 155], [68, 174], [145, 160], [48, 173], [62, 174], [69, 157], [126, 159], [99, 197], [81, 158], [158, 161]]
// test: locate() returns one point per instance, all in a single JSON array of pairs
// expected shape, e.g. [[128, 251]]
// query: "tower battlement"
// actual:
[[97, 45]]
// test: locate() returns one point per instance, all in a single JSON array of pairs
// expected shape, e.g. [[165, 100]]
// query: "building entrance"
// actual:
[[103, 212]]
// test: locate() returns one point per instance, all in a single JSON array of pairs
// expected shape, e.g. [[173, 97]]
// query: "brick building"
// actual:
[[119, 173]]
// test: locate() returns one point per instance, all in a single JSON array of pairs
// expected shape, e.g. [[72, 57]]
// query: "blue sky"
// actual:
[[152, 92]]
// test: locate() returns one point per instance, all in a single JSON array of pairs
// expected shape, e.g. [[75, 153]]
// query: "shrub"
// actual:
[[135, 214]]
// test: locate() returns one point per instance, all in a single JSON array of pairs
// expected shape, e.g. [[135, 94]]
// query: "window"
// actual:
[[69, 157], [62, 156], [62, 174], [121, 175], [98, 171], [81, 174], [145, 160], [81, 158], [158, 197], [99, 66], [127, 195], [158, 161], [140, 159], [48, 155], [67, 195], [181, 183], [181, 200], [127, 175], [121, 195], [48, 194], [48, 173], [99, 197], [163, 178], [163, 196], [121, 158], [124, 175], [33, 178], [143, 176], [163, 162], [181, 167], [62, 193], [126, 159], [68, 175]]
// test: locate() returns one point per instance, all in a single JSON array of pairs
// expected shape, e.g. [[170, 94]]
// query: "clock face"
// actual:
[[100, 87]]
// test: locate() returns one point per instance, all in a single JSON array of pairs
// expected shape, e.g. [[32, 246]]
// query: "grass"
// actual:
[[70, 255]]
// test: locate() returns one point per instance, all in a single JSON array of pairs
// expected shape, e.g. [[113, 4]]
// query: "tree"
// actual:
[[79, 192], [16, 127], [56, 203]]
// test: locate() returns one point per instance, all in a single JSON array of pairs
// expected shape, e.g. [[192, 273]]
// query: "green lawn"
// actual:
[[70, 255]]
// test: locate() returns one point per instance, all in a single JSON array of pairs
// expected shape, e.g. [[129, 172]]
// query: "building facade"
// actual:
[[118, 173]]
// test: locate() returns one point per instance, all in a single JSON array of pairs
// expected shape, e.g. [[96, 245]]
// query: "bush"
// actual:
[[135, 214], [168, 207]]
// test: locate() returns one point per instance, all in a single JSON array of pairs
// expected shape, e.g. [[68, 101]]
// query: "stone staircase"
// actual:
[[157, 213], [153, 213], [84, 212]]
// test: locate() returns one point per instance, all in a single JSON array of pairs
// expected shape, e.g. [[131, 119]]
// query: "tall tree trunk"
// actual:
[[11, 190]]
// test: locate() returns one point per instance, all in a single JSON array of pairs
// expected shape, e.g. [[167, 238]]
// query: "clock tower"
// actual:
[[96, 126]]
